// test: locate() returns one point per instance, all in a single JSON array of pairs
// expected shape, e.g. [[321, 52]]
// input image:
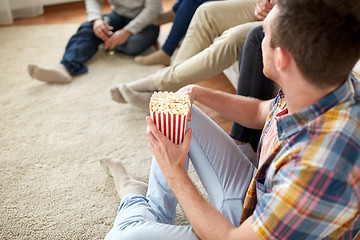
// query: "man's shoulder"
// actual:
[[335, 145]]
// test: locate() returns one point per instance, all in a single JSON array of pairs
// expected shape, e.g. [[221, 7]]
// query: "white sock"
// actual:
[[124, 183], [58, 74]]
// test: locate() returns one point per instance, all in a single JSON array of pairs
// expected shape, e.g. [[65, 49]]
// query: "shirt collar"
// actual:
[[289, 124]]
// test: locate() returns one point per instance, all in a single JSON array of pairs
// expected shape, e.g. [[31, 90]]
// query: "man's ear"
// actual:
[[282, 58]]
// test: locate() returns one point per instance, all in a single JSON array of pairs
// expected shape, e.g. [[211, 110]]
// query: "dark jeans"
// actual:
[[84, 44], [184, 10], [252, 82]]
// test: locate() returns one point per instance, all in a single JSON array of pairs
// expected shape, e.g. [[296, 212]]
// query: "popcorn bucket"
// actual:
[[169, 112], [173, 126]]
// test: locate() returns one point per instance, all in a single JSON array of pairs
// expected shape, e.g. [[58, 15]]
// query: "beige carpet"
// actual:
[[52, 136]]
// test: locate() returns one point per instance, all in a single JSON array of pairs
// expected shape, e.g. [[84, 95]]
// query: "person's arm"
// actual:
[[150, 12], [247, 111], [93, 9], [207, 222], [101, 29]]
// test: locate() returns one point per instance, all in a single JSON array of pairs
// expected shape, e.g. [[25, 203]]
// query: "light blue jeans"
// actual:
[[222, 168]]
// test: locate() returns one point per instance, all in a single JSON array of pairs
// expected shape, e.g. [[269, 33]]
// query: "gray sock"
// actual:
[[138, 99], [58, 74], [116, 94]]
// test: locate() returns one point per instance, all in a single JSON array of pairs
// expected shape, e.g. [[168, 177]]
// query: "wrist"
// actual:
[[195, 89], [127, 32], [177, 181]]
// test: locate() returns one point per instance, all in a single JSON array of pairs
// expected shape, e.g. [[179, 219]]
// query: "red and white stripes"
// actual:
[[173, 126]]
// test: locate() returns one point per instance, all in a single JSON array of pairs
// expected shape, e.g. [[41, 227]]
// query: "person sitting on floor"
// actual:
[[198, 57], [182, 12], [306, 185], [126, 29]]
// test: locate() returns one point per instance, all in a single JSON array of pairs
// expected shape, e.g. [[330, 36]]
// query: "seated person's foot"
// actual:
[[116, 94], [138, 99], [124, 183], [158, 57], [57, 74]]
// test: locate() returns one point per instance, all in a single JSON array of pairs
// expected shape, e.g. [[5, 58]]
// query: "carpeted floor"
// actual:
[[52, 136]]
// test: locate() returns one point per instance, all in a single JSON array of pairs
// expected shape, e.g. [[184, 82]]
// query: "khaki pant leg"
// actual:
[[210, 20], [208, 63]]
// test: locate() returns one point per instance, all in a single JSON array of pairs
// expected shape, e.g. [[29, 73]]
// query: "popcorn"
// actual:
[[169, 111], [169, 102]]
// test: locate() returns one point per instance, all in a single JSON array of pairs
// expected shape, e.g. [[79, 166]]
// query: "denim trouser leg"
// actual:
[[185, 10], [137, 43], [150, 217], [84, 44], [252, 82], [80, 48], [222, 168]]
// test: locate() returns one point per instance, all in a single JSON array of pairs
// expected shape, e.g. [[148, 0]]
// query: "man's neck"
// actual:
[[300, 94]]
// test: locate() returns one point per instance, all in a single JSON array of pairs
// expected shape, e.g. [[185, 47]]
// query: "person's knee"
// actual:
[[207, 9], [256, 34], [204, 13], [85, 28], [130, 48]]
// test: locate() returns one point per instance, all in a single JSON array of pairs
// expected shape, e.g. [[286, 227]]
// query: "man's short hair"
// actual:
[[323, 36]]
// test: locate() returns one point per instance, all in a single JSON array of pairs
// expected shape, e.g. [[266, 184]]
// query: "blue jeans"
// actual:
[[84, 44], [222, 168], [184, 10]]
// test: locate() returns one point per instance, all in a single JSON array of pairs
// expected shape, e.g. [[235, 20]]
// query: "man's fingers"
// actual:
[[109, 44], [100, 34], [187, 138], [268, 6], [154, 130], [150, 136]]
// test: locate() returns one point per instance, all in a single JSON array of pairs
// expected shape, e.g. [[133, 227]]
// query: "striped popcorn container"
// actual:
[[169, 111]]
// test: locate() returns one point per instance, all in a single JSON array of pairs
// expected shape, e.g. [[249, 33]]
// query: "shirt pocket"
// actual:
[[261, 188]]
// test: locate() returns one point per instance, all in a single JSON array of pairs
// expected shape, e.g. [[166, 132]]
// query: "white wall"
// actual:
[[53, 2]]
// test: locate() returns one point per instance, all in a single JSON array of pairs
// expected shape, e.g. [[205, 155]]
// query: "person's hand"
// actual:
[[170, 157], [189, 90], [262, 8], [118, 38], [101, 29]]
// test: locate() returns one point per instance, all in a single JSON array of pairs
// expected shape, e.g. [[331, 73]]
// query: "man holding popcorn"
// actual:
[[307, 184]]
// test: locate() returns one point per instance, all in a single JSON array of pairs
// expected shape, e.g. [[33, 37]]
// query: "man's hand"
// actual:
[[189, 90], [262, 8], [101, 29], [118, 38], [170, 157]]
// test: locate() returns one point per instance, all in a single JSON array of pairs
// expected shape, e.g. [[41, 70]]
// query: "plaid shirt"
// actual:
[[308, 186]]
